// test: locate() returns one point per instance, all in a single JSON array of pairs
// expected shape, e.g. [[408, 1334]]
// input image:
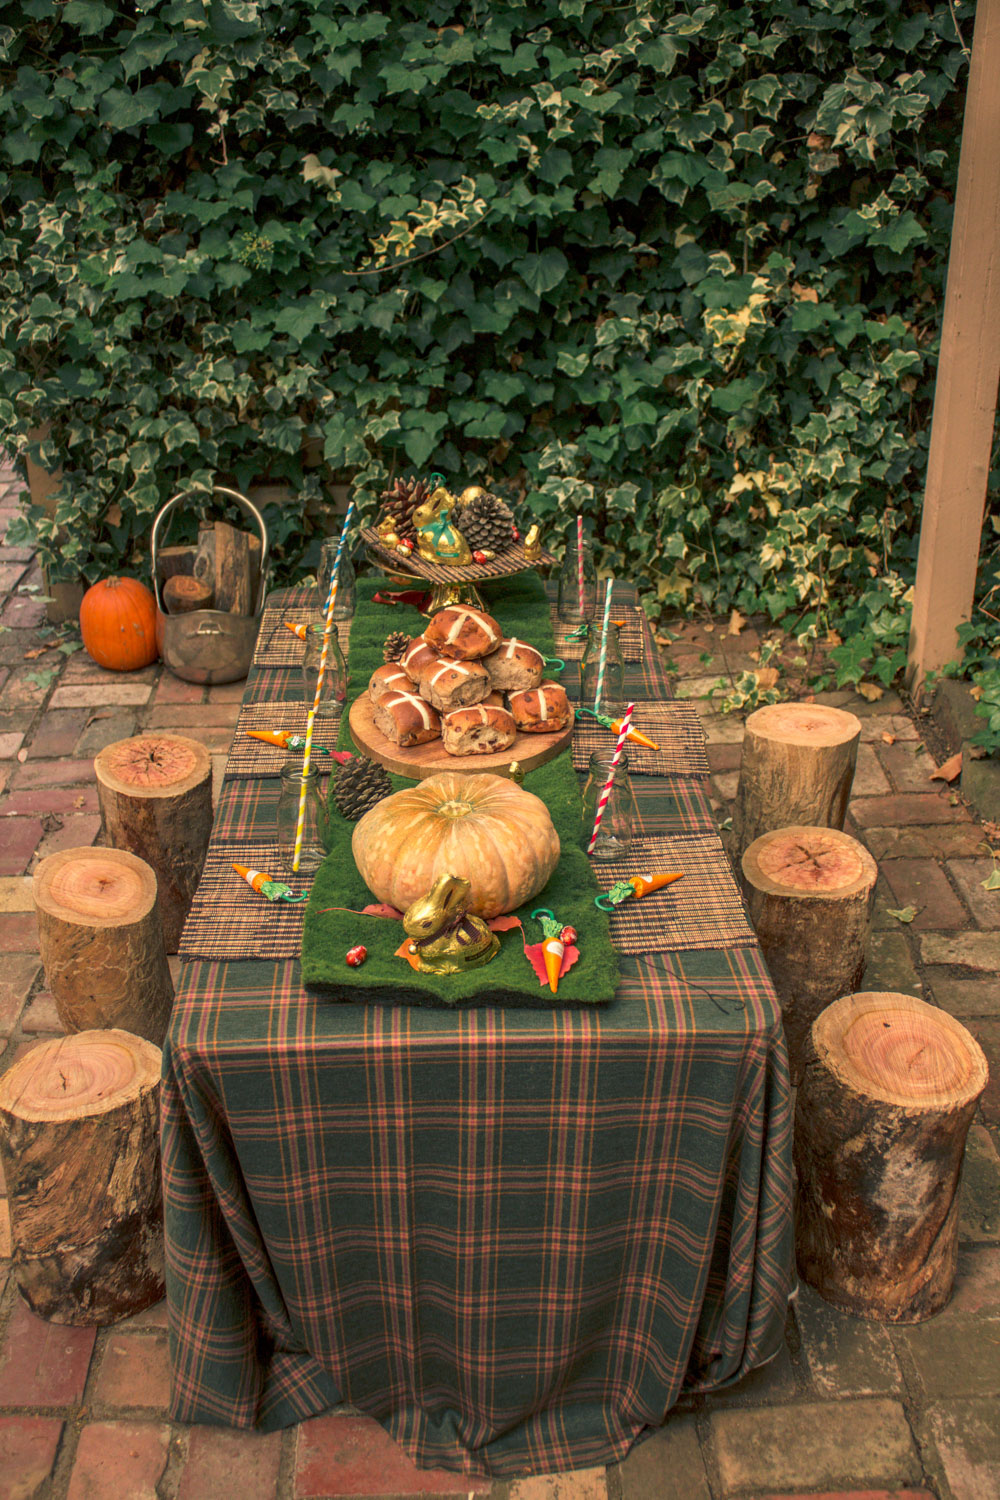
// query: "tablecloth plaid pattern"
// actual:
[[513, 1236]]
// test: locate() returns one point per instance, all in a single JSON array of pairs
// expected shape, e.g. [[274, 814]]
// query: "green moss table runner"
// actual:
[[522, 609]]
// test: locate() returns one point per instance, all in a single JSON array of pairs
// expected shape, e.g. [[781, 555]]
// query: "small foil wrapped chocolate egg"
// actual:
[[356, 956]]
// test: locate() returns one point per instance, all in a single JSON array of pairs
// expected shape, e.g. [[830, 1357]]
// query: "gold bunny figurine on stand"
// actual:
[[437, 538], [446, 939]]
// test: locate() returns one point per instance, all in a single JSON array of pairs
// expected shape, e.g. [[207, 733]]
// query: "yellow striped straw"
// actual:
[[310, 721]]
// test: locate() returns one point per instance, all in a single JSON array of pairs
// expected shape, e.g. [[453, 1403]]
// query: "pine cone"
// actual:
[[399, 502], [395, 644], [485, 522], [358, 786]]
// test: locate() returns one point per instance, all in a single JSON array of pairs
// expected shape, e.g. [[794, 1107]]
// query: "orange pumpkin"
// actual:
[[118, 624], [485, 829]]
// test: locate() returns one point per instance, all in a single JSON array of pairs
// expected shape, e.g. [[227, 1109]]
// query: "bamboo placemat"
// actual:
[[228, 920], [278, 647], [675, 727], [249, 757], [629, 635], [704, 910]]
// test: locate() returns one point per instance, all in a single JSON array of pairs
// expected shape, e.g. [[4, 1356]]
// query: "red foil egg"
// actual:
[[479, 557], [356, 956], [568, 935]]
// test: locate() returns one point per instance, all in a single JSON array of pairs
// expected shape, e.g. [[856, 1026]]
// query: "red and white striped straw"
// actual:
[[606, 789]]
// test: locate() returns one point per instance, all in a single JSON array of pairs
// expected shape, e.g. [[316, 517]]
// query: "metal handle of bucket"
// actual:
[[241, 500]]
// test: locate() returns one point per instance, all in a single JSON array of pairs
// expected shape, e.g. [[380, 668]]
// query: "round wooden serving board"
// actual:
[[418, 761]]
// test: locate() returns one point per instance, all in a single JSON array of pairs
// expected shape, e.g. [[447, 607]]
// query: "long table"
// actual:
[[514, 1236]]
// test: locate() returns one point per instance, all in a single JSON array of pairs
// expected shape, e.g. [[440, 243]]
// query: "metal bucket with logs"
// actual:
[[210, 595]]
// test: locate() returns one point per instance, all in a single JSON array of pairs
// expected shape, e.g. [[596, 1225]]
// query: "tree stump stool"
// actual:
[[79, 1142], [810, 893], [155, 792], [797, 767], [101, 941], [889, 1090]]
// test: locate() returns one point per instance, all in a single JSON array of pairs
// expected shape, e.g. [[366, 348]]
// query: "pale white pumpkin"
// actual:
[[486, 829]]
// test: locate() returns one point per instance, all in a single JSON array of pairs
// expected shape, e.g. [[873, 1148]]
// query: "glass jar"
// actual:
[[343, 608], [612, 695], [334, 693], [620, 812], [312, 852], [577, 583]]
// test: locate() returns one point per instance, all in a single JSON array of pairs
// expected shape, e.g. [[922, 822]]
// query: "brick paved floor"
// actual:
[[849, 1409]]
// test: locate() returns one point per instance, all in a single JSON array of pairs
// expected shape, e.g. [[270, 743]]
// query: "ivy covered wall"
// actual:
[[676, 265]]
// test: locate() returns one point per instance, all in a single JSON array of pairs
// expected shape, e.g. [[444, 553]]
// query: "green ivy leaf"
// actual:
[[542, 272]]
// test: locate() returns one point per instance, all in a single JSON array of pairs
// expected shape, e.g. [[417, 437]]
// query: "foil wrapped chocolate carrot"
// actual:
[[273, 890], [636, 886], [299, 630], [284, 739], [635, 735]]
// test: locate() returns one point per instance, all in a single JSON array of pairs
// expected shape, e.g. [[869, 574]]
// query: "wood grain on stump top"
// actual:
[[153, 765], [801, 861], [89, 1073], [899, 1049], [804, 724], [94, 887]]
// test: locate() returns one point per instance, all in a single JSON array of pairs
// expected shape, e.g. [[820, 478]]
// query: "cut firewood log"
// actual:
[[172, 562], [797, 767], [155, 793], [182, 595], [79, 1143], [101, 941], [204, 560], [810, 893], [889, 1090], [232, 569], [254, 544]]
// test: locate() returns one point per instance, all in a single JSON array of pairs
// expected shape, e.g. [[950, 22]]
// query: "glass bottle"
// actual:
[[343, 608], [312, 853], [577, 598], [612, 700], [334, 692], [620, 813]]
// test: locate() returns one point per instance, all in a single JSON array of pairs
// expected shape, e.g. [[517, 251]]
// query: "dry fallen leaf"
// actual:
[[767, 677], [887, 738], [871, 690], [22, 756], [904, 914], [992, 881], [834, 638], [736, 623], [79, 801], [975, 692], [950, 770], [35, 652], [804, 293], [709, 628]]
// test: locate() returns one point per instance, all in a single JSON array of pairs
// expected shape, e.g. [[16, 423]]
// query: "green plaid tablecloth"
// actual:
[[512, 1236]]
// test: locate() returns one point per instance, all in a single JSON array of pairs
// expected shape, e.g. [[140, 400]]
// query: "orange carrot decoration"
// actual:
[[274, 890], [643, 884], [299, 630]]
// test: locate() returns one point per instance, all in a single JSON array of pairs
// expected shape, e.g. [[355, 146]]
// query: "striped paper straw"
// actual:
[[579, 561], [604, 647], [606, 790], [310, 721]]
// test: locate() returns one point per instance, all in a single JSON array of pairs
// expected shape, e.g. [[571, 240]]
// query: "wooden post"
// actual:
[[797, 768], [889, 1091], [79, 1142], [101, 941], [155, 792], [965, 396], [810, 893]]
